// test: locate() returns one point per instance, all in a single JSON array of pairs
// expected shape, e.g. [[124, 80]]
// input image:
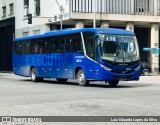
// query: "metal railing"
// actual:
[[130, 7]]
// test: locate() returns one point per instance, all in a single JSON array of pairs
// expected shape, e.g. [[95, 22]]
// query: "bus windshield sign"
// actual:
[[119, 48]]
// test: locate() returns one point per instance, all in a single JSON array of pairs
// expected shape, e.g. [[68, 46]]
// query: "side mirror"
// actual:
[[99, 42], [98, 39]]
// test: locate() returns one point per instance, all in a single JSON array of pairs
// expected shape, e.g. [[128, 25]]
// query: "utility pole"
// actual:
[[61, 10], [94, 18]]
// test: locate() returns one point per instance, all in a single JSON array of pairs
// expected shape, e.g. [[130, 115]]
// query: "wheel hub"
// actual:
[[33, 75], [81, 77]]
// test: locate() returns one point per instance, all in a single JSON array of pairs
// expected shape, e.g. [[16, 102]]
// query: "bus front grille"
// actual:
[[122, 72], [124, 78]]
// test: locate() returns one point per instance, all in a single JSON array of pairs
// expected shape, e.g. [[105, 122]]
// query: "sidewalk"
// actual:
[[6, 72], [155, 74]]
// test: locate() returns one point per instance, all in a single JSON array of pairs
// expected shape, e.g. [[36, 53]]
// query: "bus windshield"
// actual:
[[119, 48]]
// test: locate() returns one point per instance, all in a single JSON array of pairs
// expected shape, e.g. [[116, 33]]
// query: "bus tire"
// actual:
[[34, 77], [113, 83], [146, 73], [61, 80], [81, 78]]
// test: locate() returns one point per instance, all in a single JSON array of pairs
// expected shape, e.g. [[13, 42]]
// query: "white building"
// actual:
[[41, 10], [7, 9], [7, 31], [139, 16]]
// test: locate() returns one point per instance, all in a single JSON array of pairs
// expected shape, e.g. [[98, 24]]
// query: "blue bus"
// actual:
[[88, 54]]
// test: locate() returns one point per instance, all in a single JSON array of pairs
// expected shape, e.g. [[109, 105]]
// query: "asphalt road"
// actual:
[[21, 97]]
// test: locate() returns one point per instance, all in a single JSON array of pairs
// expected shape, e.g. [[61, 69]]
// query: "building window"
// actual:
[[26, 3], [11, 9], [36, 32], [26, 7], [25, 34], [37, 7], [142, 6], [4, 11]]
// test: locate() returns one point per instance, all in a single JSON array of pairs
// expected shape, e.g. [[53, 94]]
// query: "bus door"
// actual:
[[91, 63]]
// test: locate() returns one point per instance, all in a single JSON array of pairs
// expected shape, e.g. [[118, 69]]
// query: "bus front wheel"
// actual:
[[34, 77], [113, 83], [81, 78]]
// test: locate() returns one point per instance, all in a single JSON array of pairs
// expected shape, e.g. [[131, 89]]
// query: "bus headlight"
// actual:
[[106, 68], [137, 68]]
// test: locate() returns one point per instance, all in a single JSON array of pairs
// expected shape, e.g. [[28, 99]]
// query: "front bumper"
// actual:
[[109, 75]]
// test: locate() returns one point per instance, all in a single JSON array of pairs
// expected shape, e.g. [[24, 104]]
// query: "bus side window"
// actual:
[[61, 45], [89, 40], [52, 45], [68, 44], [45, 47], [39, 47], [19, 47], [90, 47], [28, 47], [77, 43], [16, 47]]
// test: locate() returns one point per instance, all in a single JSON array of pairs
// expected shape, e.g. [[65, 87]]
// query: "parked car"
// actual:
[[145, 68]]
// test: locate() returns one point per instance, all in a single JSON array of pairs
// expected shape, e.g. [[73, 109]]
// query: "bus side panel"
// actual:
[[79, 61], [57, 65], [19, 65], [35, 61], [41, 62], [65, 65], [98, 71], [16, 62], [91, 69]]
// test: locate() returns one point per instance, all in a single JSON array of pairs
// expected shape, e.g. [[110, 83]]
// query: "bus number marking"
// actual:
[[110, 38]]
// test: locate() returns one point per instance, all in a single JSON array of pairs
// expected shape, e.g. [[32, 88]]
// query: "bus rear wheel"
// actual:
[[113, 83], [81, 78], [34, 77]]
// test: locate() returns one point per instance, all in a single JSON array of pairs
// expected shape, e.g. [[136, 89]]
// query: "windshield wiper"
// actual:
[[129, 55]]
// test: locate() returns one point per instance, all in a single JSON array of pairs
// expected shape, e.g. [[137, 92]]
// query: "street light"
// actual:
[[61, 10]]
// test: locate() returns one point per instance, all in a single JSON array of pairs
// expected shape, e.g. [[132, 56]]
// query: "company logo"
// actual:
[[22, 119], [49, 60], [6, 119], [128, 69]]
